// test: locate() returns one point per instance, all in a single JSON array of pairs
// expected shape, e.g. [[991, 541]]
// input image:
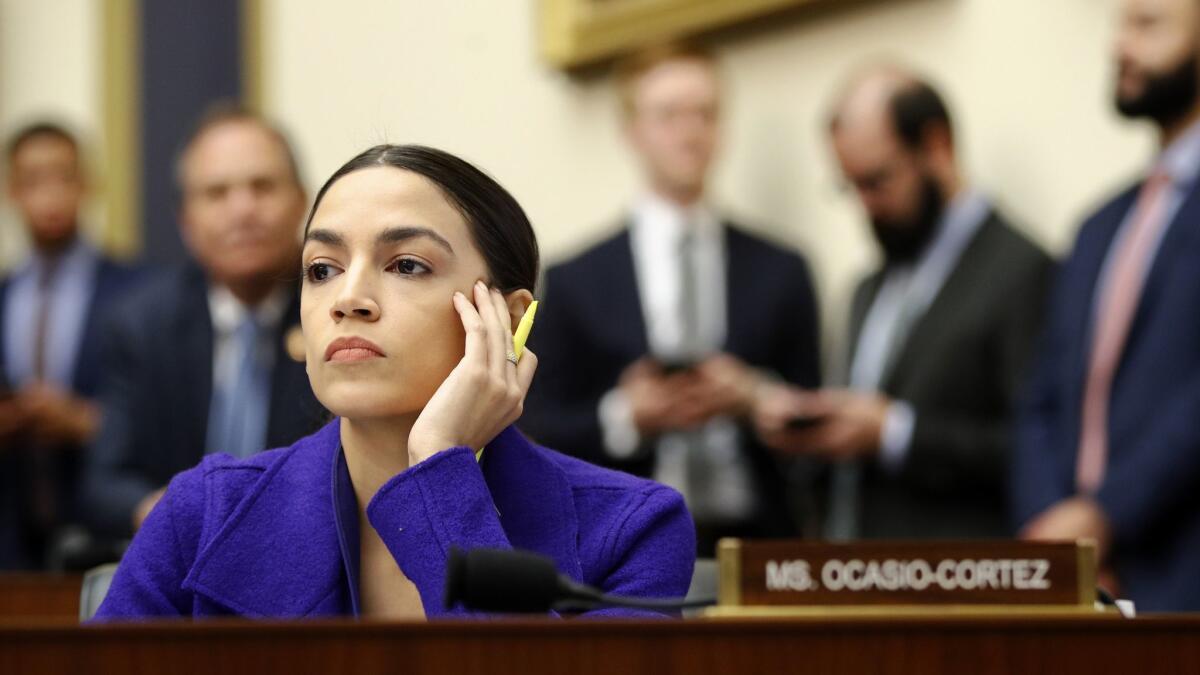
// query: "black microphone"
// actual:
[[512, 581]]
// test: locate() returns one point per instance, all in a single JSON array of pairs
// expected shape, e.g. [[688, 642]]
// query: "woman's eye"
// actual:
[[408, 267], [318, 272]]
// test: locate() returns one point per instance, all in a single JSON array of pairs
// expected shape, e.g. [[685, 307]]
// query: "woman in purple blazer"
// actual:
[[416, 267]]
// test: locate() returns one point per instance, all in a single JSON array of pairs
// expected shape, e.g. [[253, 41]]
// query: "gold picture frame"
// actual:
[[575, 33]]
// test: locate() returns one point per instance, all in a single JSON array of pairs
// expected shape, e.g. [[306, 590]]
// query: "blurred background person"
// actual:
[[198, 359], [919, 443], [1109, 446], [654, 341], [51, 309]]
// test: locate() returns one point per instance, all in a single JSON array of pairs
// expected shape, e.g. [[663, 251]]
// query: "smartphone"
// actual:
[[800, 422], [673, 366]]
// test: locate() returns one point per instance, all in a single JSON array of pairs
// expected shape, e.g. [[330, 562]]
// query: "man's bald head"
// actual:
[[888, 99], [893, 138]]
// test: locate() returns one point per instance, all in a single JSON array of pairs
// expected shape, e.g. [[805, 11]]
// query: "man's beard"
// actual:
[[903, 241], [1168, 96]]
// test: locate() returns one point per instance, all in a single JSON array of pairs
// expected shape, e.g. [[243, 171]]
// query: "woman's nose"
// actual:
[[355, 302], [364, 310]]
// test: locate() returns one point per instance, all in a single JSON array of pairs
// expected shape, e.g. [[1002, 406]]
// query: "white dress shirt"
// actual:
[[70, 291], [227, 313], [656, 234]]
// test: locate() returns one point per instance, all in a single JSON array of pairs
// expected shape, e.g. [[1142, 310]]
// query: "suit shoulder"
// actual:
[[1015, 244], [206, 493], [221, 463], [762, 248], [224, 480], [123, 272], [594, 256], [157, 293], [1111, 209], [1116, 201], [580, 278], [764, 268]]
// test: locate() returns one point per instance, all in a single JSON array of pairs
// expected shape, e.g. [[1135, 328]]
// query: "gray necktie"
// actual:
[[691, 343], [238, 422], [698, 470]]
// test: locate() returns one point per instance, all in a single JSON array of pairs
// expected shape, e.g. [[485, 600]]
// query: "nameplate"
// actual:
[[911, 573]]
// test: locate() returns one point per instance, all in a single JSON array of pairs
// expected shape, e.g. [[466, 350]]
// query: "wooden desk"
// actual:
[[40, 595], [928, 646]]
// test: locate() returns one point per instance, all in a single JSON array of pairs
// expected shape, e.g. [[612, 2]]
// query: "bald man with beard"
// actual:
[[1109, 443], [917, 442]]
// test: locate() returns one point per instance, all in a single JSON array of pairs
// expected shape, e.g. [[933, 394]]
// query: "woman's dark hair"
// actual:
[[498, 224]]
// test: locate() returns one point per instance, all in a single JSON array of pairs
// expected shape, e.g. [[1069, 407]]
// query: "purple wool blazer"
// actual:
[[276, 535]]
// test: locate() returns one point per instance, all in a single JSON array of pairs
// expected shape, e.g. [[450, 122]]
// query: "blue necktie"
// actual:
[[238, 421]]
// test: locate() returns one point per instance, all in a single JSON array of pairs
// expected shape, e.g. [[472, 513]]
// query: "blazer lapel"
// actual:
[[294, 411], [277, 554], [537, 508], [1090, 256], [108, 282], [622, 302], [5, 380], [743, 313], [192, 376], [736, 313], [864, 297], [1176, 241], [83, 380], [955, 293]]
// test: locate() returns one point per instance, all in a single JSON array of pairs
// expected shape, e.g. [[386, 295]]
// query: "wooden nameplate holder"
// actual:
[[877, 578]]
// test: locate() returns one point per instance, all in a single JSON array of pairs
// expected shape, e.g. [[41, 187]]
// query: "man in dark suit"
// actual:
[[1109, 445], [919, 443], [199, 359], [51, 309], [653, 342]]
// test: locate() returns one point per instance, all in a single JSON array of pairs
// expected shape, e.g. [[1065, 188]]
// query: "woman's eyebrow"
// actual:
[[395, 235], [327, 237]]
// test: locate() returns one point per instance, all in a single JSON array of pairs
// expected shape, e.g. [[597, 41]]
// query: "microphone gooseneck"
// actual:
[[513, 581]]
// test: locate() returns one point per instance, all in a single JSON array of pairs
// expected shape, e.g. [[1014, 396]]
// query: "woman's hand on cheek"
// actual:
[[485, 392]]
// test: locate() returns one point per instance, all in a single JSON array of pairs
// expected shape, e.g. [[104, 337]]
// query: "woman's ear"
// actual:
[[518, 302]]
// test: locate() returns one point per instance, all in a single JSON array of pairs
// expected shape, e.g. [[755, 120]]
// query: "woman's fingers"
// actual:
[[525, 370], [476, 345], [501, 309], [524, 377], [495, 332], [493, 342]]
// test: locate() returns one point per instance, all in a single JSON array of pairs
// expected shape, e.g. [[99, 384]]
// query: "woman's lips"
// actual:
[[352, 349], [353, 355]]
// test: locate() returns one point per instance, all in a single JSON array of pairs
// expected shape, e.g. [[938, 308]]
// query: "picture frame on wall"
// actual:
[[576, 33]]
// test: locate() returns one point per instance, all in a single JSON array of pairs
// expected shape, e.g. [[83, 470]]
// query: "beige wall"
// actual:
[[49, 66], [1029, 81]]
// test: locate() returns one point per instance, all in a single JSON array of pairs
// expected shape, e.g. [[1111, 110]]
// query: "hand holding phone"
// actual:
[[805, 421], [675, 366]]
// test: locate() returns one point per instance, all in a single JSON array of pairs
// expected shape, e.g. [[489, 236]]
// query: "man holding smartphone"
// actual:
[[918, 440], [654, 342]]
